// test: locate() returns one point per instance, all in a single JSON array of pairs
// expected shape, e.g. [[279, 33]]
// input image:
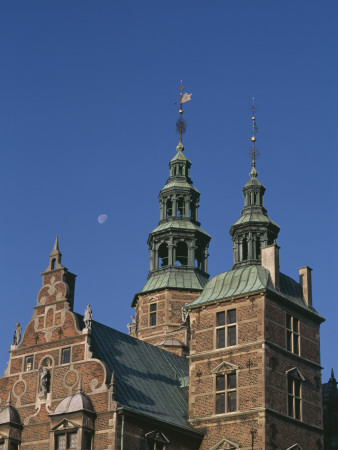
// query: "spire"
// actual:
[[254, 154], [332, 379], [181, 125], [55, 257], [178, 246], [254, 229]]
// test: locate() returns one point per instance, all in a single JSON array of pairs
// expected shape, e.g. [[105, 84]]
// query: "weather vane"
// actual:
[[181, 125], [254, 153]]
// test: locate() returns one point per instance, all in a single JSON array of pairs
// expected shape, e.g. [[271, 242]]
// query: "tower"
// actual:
[[254, 363], [178, 257]]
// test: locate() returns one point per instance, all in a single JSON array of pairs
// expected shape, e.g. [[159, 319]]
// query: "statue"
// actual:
[[17, 334], [185, 315], [87, 318], [44, 380], [132, 326]]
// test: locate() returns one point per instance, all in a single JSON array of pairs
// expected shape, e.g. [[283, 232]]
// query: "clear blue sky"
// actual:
[[87, 119]]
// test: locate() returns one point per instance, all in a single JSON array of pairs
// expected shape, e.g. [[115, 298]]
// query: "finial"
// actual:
[[9, 400], [332, 379], [181, 125], [254, 153], [79, 388], [56, 245]]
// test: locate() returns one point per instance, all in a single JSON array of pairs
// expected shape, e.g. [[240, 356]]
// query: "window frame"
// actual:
[[294, 398], [225, 392], [62, 355], [292, 334], [153, 314], [225, 327], [25, 367], [66, 434]]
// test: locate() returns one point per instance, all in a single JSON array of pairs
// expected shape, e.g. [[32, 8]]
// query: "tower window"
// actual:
[[258, 247], [244, 249], [163, 255], [198, 258], [180, 207], [169, 208], [226, 393], [52, 266], [294, 398], [292, 334], [226, 329], [153, 314], [181, 254], [180, 170]]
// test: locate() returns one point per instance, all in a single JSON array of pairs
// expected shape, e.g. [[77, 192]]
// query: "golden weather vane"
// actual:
[[181, 125]]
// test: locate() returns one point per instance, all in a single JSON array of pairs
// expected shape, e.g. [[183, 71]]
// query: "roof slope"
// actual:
[[176, 279], [247, 279], [147, 378]]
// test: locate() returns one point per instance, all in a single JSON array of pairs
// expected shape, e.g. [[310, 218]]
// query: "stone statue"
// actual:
[[45, 380], [132, 326], [87, 318], [185, 315], [17, 334]]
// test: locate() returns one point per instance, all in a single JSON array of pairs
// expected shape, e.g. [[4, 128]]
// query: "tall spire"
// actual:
[[181, 125], [55, 257], [254, 229]]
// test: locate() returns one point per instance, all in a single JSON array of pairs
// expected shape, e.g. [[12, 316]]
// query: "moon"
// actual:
[[102, 218]]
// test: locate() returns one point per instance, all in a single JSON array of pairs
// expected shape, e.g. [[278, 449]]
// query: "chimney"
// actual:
[[270, 260], [306, 283]]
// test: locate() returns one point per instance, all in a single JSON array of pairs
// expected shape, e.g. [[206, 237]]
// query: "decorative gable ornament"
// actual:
[[157, 436], [225, 444], [65, 424], [294, 373], [224, 367], [295, 447]]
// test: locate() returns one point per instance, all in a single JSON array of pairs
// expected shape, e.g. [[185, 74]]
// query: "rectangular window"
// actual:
[[294, 398], [65, 358], [60, 442], [292, 334], [87, 441], [226, 394], [226, 329], [72, 440], [153, 313], [29, 363], [2, 444]]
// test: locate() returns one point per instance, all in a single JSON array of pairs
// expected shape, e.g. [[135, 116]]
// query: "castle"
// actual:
[[222, 363]]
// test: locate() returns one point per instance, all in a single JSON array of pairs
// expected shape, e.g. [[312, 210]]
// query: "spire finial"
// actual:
[[56, 245], [181, 125], [9, 400], [254, 153]]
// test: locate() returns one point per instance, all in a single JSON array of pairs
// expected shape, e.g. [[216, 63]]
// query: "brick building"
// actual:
[[229, 363]]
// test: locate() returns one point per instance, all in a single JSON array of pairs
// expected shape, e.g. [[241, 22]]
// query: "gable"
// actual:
[[65, 424], [225, 444], [224, 367]]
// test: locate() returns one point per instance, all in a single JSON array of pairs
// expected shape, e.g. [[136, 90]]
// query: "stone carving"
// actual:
[[17, 334], [132, 326], [87, 318], [44, 381], [185, 315]]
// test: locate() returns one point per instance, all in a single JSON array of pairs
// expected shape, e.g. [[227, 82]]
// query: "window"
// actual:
[[226, 396], [87, 441], [28, 364], [2, 444], [66, 441], [53, 264], [294, 398], [292, 334], [65, 357], [163, 255], [181, 254], [156, 440], [152, 315], [226, 328]]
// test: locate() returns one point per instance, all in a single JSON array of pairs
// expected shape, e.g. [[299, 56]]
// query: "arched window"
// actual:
[[163, 255], [52, 266], [180, 207], [244, 249], [180, 170], [169, 207], [181, 254], [258, 247]]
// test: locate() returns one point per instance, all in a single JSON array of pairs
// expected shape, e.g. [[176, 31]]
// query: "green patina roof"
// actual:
[[179, 225], [180, 156], [178, 183], [148, 379], [254, 217], [245, 280], [175, 278]]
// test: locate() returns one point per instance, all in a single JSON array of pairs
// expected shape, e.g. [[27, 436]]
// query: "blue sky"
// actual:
[[87, 120]]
